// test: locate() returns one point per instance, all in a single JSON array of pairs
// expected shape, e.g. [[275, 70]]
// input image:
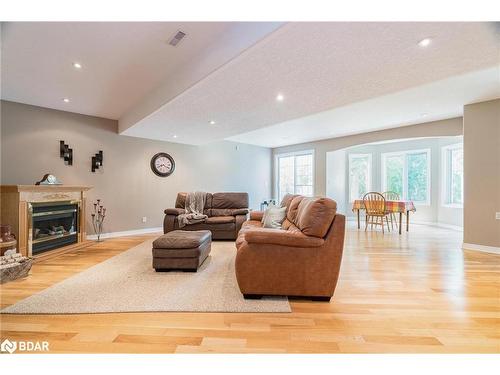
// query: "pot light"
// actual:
[[77, 65], [212, 122], [280, 97], [66, 100], [174, 136], [425, 42]]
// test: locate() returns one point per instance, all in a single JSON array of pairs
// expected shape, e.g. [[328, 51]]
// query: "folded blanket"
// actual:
[[195, 203]]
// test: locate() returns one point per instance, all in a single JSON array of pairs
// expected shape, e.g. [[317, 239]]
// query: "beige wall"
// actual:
[[482, 173], [448, 127], [129, 189]]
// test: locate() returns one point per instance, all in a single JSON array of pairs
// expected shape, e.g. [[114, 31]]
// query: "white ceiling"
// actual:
[[438, 100], [122, 61], [337, 78], [318, 66]]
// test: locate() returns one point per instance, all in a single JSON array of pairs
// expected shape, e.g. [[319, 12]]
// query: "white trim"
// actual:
[[482, 248], [457, 228], [383, 157], [369, 177], [417, 222], [133, 232]]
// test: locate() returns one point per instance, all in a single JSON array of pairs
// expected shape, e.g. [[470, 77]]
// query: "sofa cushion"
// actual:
[[180, 201], [179, 239], [214, 227], [292, 209], [228, 211], [229, 200], [314, 216], [287, 199], [282, 238], [220, 220]]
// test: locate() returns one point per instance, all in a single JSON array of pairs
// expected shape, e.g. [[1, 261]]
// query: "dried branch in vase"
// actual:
[[98, 216]]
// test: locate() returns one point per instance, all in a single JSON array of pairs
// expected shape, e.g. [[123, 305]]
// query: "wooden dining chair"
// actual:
[[375, 210], [392, 196]]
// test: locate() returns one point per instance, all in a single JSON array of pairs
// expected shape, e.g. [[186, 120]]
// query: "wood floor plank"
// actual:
[[418, 292]]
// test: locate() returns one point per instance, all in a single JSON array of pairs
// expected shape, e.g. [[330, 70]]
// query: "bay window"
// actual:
[[408, 174], [360, 167], [453, 175]]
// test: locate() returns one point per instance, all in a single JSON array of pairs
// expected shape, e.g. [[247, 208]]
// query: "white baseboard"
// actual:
[[134, 232], [483, 248], [417, 222]]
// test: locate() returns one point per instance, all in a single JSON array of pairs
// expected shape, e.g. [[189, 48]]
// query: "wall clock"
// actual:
[[162, 164]]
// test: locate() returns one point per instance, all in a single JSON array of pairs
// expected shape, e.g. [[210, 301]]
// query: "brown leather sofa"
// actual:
[[302, 259], [226, 213]]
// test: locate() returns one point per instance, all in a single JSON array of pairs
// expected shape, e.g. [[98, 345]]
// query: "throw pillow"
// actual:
[[273, 217]]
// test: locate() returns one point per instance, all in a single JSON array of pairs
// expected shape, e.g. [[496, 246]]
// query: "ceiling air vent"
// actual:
[[177, 38]]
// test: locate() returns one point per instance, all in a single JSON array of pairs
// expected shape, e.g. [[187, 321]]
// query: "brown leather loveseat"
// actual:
[[302, 259], [226, 213]]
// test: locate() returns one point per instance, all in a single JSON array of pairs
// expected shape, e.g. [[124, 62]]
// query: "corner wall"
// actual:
[[482, 174], [129, 189]]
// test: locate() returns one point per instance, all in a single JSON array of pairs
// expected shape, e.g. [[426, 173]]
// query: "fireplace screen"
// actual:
[[53, 225]]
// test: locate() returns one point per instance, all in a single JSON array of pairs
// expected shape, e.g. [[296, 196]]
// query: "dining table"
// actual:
[[391, 206]]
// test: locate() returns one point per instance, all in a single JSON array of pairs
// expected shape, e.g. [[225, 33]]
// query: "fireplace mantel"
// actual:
[[42, 188], [16, 199]]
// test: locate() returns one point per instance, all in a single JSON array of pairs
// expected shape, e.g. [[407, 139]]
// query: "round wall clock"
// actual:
[[162, 164]]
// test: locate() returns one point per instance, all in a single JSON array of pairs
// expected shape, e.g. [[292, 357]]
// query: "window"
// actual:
[[408, 174], [360, 166], [295, 174], [453, 167]]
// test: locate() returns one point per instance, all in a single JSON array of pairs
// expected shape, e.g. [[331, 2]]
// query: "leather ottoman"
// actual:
[[181, 250]]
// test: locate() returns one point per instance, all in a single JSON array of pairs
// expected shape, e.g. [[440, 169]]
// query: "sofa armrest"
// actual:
[[256, 215], [281, 237], [174, 211]]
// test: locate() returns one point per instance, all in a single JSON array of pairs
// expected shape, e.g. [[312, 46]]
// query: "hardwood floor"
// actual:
[[418, 292]]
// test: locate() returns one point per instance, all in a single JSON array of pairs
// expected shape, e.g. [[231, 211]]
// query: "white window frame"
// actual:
[[446, 176], [405, 153], [370, 168], [276, 170]]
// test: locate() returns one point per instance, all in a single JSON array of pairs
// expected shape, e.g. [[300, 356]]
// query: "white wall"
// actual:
[[336, 182]]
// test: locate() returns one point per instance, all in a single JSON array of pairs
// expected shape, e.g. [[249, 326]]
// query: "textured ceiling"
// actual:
[[317, 67], [122, 61], [232, 72], [438, 100]]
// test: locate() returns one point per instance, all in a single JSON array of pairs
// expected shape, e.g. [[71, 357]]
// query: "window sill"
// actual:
[[452, 205]]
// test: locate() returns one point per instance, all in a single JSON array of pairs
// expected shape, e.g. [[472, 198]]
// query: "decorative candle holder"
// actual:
[[98, 216]]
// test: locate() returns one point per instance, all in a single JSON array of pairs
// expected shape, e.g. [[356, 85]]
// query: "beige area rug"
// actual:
[[128, 283]]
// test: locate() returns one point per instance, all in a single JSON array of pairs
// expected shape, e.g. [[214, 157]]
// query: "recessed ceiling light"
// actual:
[[280, 97], [66, 100], [424, 114], [425, 42], [212, 122], [175, 136], [77, 65]]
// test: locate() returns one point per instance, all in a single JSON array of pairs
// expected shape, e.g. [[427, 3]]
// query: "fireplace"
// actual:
[[52, 225]]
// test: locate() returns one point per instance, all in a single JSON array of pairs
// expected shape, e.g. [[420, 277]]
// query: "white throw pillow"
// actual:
[[273, 217]]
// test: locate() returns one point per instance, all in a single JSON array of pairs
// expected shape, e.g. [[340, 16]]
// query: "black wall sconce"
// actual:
[[66, 153], [97, 161]]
